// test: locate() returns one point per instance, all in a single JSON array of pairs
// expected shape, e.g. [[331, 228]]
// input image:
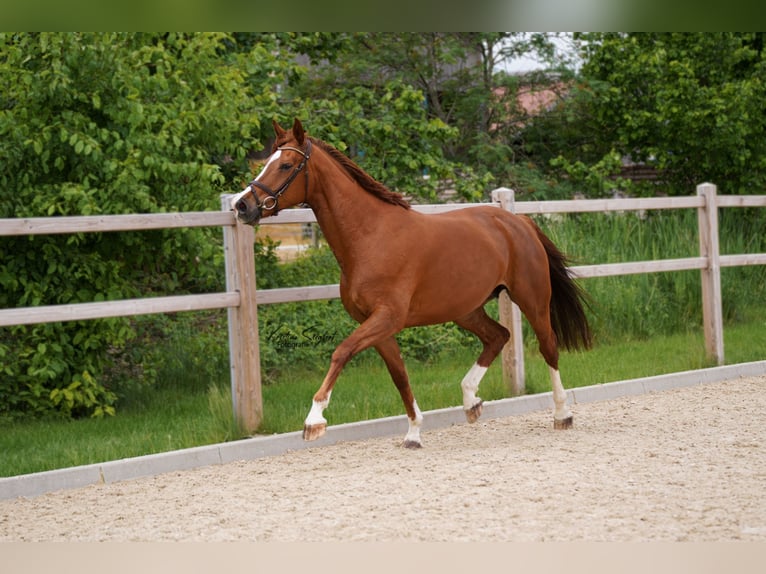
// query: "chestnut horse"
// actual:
[[400, 268]]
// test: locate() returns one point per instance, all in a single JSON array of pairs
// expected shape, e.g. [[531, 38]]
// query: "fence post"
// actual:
[[244, 351], [712, 314], [512, 354]]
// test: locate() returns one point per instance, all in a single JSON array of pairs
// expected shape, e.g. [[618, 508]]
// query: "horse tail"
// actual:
[[568, 299]]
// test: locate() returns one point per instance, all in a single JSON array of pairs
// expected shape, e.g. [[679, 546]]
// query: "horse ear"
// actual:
[[277, 128], [298, 131]]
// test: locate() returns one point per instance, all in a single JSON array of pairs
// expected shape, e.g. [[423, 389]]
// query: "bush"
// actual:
[[108, 124]]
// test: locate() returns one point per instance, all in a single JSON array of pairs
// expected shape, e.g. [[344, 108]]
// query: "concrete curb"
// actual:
[[29, 485]]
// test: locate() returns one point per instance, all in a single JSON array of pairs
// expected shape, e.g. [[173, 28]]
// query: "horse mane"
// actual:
[[369, 184]]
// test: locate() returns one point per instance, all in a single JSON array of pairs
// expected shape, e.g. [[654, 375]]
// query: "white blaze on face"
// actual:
[[248, 189]]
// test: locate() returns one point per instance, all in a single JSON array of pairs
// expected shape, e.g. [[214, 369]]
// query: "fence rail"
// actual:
[[132, 222], [122, 308], [240, 295]]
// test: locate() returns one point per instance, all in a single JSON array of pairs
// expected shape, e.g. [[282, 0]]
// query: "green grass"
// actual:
[[171, 418]]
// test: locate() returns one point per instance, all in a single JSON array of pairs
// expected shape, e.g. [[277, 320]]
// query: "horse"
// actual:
[[401, 268]]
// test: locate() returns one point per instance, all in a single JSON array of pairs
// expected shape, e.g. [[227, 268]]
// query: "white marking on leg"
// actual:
[[315, 414], [248, 189], [560, 409], [413, 433], [470, 384]]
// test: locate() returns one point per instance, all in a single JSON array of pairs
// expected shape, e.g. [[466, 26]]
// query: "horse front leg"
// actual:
[[380, 325], [392, 356], [315, 424]]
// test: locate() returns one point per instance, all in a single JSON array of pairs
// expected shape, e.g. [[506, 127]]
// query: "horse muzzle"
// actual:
[[247, 214], [249, 208]]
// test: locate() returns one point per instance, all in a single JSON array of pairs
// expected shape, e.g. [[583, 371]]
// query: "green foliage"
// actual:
[[688, 104], [83, 394], [635, 306], [386, 130], [101, 124], [599, 178], [529, 182], [185, 351], [414, 104], [188, 351]]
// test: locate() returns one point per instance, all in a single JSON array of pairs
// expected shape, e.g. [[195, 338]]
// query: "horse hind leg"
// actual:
[[562, 415], [494, 337], [539, 318]]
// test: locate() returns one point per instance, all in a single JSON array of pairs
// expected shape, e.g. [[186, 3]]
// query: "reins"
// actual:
[[272, 201]]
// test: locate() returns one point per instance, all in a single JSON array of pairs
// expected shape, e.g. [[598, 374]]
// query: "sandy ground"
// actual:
[[681, 465]]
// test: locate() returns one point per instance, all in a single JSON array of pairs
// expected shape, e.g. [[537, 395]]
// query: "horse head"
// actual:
[[278, 185]]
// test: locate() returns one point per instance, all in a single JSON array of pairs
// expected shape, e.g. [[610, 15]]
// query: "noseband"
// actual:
[[272, 201]]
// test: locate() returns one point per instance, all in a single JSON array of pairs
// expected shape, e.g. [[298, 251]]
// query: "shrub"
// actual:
[[107, 124]]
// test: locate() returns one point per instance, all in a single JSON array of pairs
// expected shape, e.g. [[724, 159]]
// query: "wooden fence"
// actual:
[[240, 295]]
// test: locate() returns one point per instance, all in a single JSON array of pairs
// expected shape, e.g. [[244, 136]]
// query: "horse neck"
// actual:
[[346, 213]]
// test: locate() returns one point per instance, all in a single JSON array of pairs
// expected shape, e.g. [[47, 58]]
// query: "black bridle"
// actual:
[[272, 201]]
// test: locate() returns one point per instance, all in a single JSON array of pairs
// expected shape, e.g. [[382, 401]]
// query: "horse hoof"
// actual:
[[474, 412], [313, 432], [413, 444], [563, 423]]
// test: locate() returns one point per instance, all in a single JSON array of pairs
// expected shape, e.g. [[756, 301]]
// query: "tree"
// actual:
[[102, 124], [688, 104], [438, 91]]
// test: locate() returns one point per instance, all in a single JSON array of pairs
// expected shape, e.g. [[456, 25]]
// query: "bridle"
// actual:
[[272, 201]]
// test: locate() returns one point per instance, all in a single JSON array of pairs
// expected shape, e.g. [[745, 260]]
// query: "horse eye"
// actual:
[[285, 166]]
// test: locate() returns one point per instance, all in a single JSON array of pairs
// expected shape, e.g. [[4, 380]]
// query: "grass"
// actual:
[[172, 417]]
